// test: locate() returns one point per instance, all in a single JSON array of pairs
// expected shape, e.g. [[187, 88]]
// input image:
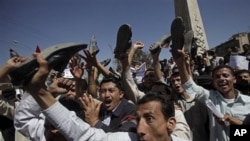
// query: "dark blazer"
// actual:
[[122, 119]]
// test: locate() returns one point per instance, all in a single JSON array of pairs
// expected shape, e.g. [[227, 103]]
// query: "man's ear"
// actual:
[[121, 94], [171, 122], [234, 80]]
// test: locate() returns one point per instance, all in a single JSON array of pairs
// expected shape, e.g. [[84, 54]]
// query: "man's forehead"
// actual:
[[108, 84], [149, 107], [223, 70]]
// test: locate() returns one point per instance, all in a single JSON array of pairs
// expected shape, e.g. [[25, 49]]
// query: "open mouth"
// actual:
[[222, 84], [107, 101]]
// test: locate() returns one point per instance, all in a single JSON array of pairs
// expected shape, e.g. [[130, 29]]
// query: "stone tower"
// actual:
[[189, 11]]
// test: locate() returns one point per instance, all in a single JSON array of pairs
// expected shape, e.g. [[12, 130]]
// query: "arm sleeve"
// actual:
[[131, 90], [28, 119], [195, 90], [128, 126], [72, 126], [182, 129]]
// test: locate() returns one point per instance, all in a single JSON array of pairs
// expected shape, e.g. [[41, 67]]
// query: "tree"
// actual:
[[139, 57]]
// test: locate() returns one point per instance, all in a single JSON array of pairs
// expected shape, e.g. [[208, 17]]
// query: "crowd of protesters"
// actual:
[[169, 104]]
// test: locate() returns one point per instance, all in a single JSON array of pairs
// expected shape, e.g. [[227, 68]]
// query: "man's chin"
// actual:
[[70, 97]]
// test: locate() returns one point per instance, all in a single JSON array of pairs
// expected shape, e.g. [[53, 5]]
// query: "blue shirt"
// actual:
[[239, 109]]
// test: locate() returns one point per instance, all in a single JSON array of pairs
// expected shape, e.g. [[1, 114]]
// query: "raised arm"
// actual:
[[6, 107], [156, 63], [71, 126], [11, 64], [77, 70], [131, 90], [182, 65], [92, 61]]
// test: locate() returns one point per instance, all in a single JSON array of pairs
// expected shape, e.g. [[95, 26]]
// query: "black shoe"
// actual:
[[106, 62], [177, 33], [57, 56], [164, 41], [123, 41]]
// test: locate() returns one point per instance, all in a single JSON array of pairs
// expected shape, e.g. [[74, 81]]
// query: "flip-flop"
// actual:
[[177, 33], [123, 41], [57, 56], [163, 41]]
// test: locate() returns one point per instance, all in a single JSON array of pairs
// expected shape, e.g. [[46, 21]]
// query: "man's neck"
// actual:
[[229, 95]]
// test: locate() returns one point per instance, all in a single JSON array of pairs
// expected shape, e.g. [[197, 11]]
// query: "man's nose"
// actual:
[[141, 128]]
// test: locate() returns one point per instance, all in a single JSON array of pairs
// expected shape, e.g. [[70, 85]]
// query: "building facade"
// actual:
[[235, 43]]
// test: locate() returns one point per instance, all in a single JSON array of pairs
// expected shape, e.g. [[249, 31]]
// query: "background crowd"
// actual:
[[163, 101]]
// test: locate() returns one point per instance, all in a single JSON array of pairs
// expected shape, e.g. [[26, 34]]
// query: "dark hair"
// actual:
[[241, 71], [167, 106], [246, 45], [175, 69], [221, 67], [175, 74], [166, 87], [116, 81], [149, 69]]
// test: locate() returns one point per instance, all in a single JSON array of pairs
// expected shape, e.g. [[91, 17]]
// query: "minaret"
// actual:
[[189, 11]]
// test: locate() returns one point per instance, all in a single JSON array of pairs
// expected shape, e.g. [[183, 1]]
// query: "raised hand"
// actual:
[[138, 45], [37, 83], [14, 62], [89, 58], [91, 109], [76, 68], [155, 53], [61, 86]]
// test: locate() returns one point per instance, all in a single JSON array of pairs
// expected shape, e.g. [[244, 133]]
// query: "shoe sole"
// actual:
[[177, 33], [188, 41], [114, 74], [106, 62], [123, 41], [164, 40], [53, 55]]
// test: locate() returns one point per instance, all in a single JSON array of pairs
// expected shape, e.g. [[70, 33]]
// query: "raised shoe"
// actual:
[[13, 53], [177, 33], [57, 56], [162, 42], [188, 38], [114, 74], [93, 47], [106, 62], [123, 41]]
